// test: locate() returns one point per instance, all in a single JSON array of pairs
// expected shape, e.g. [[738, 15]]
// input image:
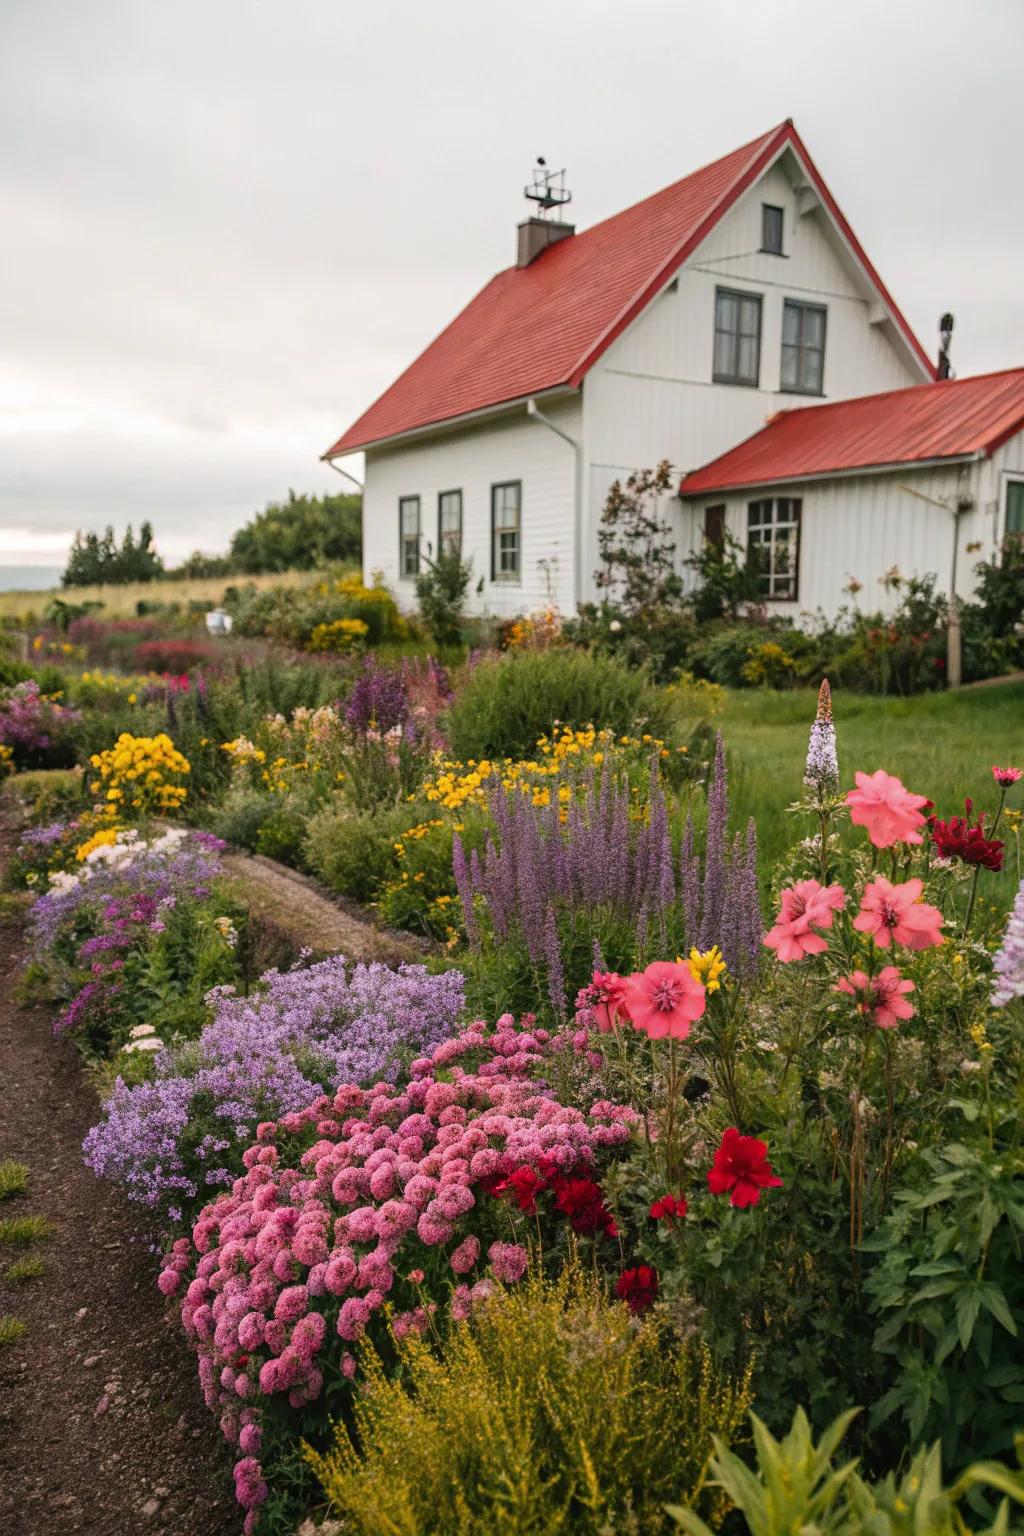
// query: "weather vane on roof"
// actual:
[[548, 189]]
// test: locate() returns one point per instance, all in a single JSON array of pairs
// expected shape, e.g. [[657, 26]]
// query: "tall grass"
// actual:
[[942, 745], [119, 602]]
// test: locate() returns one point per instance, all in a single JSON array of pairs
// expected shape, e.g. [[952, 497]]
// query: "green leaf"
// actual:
[[995, 1302], [968, 1305]]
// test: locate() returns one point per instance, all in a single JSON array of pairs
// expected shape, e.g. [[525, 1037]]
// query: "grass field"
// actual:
[[942, 745], [119, 602]]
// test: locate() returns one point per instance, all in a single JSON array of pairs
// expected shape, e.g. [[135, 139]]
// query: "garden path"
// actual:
[[295, 907], [102, 1425]]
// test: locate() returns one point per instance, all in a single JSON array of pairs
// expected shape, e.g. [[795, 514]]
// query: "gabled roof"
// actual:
[[542, 327], [953, 419]]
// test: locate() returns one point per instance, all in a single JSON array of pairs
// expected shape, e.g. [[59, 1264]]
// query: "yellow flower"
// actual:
[[707, 968]]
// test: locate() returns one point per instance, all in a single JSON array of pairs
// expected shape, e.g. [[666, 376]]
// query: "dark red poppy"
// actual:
[[523, 1186], [638, 1287], [581, 1200], [669, 1209], [741, 1169], [958, 838]]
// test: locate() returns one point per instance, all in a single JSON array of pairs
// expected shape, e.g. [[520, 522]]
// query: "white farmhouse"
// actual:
[[673, 330]]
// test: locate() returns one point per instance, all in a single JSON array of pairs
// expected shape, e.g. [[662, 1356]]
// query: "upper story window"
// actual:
[[449, 523], [1014, 508], [803, 348], [773, 545], [408, 536], [771, 229], [737, 337], [506, 531]]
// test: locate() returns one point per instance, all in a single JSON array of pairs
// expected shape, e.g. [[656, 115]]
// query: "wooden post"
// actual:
[[954, 647]]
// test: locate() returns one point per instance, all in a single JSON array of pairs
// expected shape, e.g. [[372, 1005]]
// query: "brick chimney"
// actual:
[[535, 235]]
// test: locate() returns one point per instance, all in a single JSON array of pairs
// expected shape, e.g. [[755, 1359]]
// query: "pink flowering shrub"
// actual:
[[372, 1199]]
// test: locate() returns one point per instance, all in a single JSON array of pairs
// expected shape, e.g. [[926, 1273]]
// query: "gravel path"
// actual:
[[102, 1426], [297, 908]]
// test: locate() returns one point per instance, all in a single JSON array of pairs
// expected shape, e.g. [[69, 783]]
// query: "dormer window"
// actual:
[[771, 230]]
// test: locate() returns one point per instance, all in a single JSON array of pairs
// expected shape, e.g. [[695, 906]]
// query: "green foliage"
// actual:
[[797, 1487], [21, 1231], [1000, 589], [552, 1410], [505, 706], [95, 561], [441, 594], [353, 852], [13, 1178], [11, 1329], [48, 794], [724, 580], [948, 1289], [300, 534], [295, 615], [638, 568]]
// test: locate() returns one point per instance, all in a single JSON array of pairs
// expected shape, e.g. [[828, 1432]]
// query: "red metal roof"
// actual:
[[952, 419], [544, 326]]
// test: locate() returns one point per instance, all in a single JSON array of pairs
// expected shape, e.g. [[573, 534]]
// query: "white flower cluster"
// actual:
[[121, 854], [143, 1038]]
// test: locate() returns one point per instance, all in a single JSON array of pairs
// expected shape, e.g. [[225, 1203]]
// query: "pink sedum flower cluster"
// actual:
[[290, 1267]]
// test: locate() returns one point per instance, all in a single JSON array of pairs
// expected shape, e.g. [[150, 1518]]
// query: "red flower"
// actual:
[[581, 1200], [638, 1287], [523, 1186], [741, 1167], [1004, 777], [958, 839], [669, 1209]]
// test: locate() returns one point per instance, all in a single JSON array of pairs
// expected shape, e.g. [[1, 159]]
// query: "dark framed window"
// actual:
[[1014, 507], [408, 536], [714, 524], [506, 530], [773, 545], [803, 348], [737, 337], [771, 229], [449, 522]]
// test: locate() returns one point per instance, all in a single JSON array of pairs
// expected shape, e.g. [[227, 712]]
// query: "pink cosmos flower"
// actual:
[[895, 914], [884, 996], [609, 999], [889, 812], [1004, 777], [664, 999], [805, 906]]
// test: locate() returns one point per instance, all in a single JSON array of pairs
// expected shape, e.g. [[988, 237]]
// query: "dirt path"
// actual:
[[295, 907], [102, 1426]]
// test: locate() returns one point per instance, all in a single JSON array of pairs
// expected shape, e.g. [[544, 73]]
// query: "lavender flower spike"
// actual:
[[822, 770], [1009, 961]]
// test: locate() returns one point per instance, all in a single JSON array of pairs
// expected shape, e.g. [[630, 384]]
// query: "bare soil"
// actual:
[[102, 1425]]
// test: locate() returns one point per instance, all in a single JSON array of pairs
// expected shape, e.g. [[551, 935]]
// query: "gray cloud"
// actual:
[[226, 227]]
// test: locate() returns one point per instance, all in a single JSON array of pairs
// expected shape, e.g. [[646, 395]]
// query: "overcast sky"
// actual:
[[226, 225]]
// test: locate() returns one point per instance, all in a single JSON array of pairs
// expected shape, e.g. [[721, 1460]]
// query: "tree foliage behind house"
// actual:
[[302, 533]]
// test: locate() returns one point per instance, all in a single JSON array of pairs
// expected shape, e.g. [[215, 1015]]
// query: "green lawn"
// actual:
[[942, 745]]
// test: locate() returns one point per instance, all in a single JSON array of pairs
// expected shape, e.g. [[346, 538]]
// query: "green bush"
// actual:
[[353, 852], [505, 706], [49, 794]]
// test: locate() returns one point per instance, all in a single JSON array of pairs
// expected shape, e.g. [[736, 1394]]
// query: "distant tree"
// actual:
[[93, 560], [299, 534]]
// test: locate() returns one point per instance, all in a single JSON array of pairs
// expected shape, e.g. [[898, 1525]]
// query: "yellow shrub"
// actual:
[[552, 1410], [340, 635], [140, 775]]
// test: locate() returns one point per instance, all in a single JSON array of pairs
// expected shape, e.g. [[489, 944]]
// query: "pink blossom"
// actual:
[[888, 811], [883, 997], [895, 914], [292, 1304], [465, 1255], [1005, 777], [804, 907], [508, 1261], [664, 1000]]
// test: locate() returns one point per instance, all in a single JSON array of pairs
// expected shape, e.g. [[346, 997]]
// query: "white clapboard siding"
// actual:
[[516, 447]]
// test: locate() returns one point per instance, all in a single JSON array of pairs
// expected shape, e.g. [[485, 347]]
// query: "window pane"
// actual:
[[750, 312], [725, 319], [790, 323], [724, 355], [747, 364], [814, 327], [1015, 506], [810, 370]]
